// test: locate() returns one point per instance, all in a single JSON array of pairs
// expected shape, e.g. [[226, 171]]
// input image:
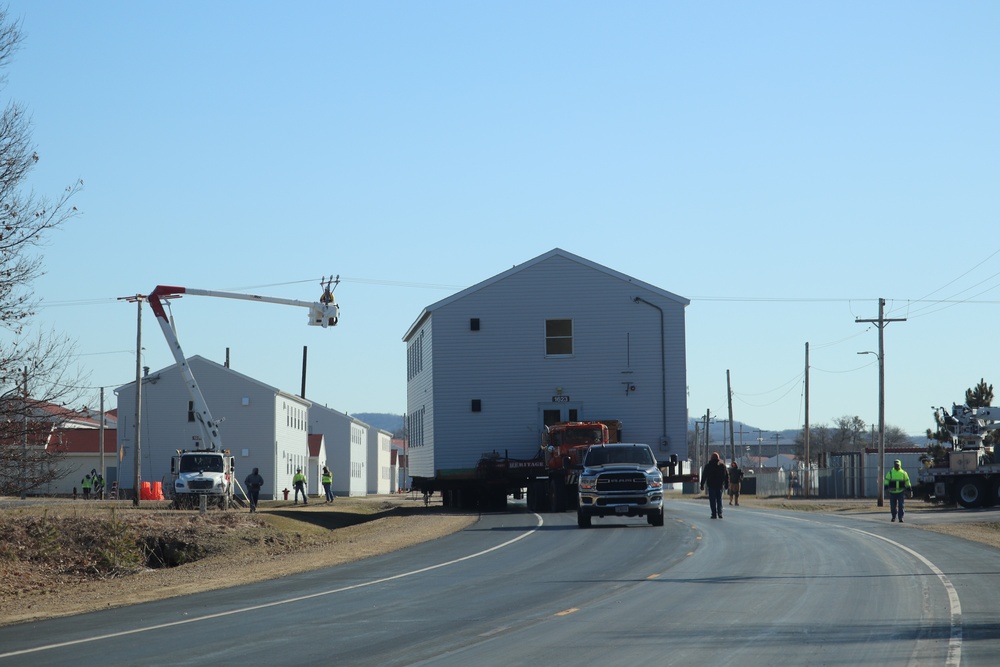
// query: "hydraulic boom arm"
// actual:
[[323, 313]]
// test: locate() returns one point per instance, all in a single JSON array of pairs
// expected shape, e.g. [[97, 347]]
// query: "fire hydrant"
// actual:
[[285, 492]]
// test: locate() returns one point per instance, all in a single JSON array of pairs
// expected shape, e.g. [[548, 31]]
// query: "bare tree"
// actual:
[[34, 369], [895, 437], [849, 434]]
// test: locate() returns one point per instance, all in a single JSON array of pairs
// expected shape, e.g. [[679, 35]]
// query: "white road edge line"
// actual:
[[277, 603], [954, 658]]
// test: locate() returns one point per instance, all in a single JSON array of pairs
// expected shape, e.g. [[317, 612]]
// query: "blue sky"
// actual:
[[781, 164]]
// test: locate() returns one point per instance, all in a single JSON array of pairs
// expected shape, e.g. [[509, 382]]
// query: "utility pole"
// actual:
[[100, 435], [882, 321], [723, 454], [137, 473], [760, 441], [24, 435], [708, 437], [729, 394], [806, 439], [777, 451], [697, 442]]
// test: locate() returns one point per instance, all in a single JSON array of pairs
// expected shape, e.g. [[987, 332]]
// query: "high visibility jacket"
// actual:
[[897, 480], [299, 478], [86, 482], [327, 478]]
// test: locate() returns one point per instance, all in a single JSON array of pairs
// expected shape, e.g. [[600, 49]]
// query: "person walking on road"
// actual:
[[254, 482], [716, 476], [299, 482], [897, 483], [735, 478]]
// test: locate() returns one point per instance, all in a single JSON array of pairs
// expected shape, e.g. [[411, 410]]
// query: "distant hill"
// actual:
[[383, 420]]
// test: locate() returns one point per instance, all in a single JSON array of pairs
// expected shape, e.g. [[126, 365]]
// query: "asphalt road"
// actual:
[[758, 588]]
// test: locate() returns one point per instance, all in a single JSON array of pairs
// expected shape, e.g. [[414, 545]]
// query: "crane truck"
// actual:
[[969, 475], [548, 481], [209, 471]]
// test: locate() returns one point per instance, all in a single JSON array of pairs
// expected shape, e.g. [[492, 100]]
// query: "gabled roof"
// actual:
[[315, 443], [555, 252], [45, 411], [152, 377], [84, 440]]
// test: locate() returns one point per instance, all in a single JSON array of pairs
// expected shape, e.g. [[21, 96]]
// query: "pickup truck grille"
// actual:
[[638, 501], [621, 481]]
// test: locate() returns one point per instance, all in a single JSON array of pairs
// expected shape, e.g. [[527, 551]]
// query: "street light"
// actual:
[[881, 426]]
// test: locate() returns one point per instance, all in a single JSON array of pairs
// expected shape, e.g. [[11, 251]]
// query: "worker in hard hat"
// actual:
[[897, 485], [299, 482]]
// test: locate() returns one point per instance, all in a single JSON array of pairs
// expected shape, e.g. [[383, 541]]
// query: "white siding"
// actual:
[[379, 464], [347, 448], [420, 406], [252, 428], [617, 345], [291, 443]]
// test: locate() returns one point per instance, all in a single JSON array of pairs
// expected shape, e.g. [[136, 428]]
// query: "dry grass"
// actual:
[[61, 557]]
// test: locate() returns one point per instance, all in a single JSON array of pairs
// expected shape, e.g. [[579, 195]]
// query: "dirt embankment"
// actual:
[[63, 558]]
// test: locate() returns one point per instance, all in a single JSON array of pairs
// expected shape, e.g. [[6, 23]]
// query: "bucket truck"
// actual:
[[209, 470], [970, 474]]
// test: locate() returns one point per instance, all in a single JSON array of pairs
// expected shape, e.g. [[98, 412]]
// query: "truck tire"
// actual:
[[557, 495], [970, 493], [538, 496], [655, 519], [582, 519]]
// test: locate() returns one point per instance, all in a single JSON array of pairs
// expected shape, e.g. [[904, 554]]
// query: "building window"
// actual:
[[415, 357], [477, 405], [474, 324], [558, 338], [415, 428]]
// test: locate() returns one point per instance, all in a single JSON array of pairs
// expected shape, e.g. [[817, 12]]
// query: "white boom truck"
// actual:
[[970, 476], [210, 470]]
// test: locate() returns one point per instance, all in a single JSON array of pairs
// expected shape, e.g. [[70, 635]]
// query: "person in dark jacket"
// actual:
[[716, 476], [253, 483], [735, 479]]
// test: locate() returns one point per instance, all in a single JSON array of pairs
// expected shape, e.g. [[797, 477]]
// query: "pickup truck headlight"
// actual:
[[588, 482], [655, 481]]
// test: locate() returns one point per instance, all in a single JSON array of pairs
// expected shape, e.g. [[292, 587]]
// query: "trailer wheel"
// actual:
[[970, 493], [538, 496], [493, 500], [557, 494]]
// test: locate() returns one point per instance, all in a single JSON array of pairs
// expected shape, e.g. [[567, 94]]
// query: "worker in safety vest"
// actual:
[[86, 483], [299, 482], [327, 479], [897, 483]]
